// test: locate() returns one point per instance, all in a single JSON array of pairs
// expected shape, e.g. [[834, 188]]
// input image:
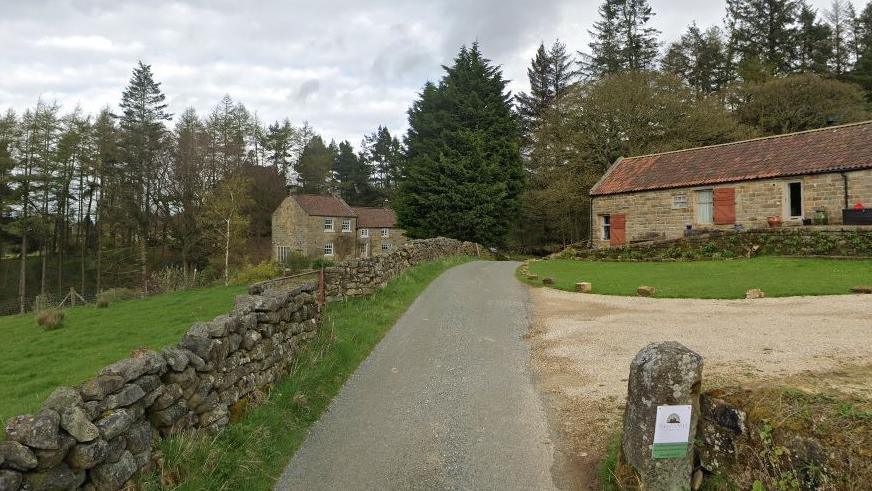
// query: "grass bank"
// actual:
[[777, 277], [33, 362], [252, 452]]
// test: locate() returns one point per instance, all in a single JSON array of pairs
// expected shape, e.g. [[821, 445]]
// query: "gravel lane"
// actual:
[[445, 401]]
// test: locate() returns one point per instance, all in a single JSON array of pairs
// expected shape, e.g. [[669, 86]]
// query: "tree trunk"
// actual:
[[44, 254], [22, 275], [227, 255], [143, 258], [99, 256]]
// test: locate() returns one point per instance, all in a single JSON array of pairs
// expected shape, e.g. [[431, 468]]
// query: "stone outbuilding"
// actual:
[[325, 226], [815, 176]]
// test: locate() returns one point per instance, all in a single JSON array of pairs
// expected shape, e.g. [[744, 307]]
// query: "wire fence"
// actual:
[[50, 299]]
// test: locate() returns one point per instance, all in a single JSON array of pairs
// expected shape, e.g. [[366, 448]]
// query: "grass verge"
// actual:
[[33, 361], [251, 453], [777, 277]]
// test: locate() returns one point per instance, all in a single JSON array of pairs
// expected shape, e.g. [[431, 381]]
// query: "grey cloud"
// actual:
[[307, 88]]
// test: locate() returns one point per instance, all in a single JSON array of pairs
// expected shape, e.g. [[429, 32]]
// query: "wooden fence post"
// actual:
[[322, 294]]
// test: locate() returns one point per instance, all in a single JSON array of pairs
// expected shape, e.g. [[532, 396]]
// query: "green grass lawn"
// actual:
[[252, 452], [777, 277], [33, 362]]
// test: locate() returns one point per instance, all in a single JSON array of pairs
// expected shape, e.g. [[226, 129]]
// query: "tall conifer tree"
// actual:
[[763, 33], [813, 42], [550, 73], [142, 127], [622, 39], [463, 170]]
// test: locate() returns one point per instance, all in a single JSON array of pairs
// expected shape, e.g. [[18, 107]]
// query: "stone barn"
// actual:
[[817, 176], [325, 226]]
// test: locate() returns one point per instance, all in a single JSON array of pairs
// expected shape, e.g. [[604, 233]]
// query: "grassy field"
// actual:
[[33, 362], [777, 277], [252, 452]]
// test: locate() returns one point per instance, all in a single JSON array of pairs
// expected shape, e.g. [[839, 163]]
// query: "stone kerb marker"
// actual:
[[661, 416]]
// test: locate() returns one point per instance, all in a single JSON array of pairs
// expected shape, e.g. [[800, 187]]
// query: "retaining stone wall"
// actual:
[[744, 450], [838, 240], [99, 434]]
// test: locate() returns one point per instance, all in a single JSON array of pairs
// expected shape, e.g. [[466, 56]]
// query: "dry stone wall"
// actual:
[[366, 276], [98, 435]]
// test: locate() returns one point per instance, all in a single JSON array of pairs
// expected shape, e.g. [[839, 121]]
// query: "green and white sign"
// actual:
[[671, 432]]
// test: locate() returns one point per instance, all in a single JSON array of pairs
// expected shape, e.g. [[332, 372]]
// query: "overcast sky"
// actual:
[[346, 66]]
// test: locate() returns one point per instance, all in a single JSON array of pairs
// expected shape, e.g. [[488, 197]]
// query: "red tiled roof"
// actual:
[[375, 217], [324, 206], [832, 149]]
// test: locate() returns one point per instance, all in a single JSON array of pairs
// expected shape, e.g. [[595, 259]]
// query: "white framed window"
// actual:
[[679, 202], [607, 227], [386, 247], [704, 207], [346, 225], [328, 224], [386, 232], [328, 249], [364, 233], [794, 200], [282, 253]]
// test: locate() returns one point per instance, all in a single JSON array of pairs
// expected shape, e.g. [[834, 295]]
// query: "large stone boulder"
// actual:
[[16, 456], [113, 475], [754, 293], [664, 373], [9, 480], [583, 287], [77, 424], [58, 477], [646, 291], [35, 431]]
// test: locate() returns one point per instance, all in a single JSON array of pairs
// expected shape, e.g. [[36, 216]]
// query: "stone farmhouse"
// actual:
[[810, 177], [325, 226]]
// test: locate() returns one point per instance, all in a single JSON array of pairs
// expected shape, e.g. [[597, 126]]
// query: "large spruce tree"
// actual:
[[622, 39], [550, 73], [700, 59], [352, 177], [142, 131], [463, 170], [763, 33], [313, 166], [814, 48]]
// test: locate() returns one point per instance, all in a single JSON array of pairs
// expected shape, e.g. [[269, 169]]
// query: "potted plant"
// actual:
[[820, 216], [774, 221]]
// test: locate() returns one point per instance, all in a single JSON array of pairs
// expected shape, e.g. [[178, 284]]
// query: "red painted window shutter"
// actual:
[[618, 231], [724, 201]]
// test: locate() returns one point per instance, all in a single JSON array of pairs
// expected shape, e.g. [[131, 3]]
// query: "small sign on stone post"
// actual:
[[661, 415]]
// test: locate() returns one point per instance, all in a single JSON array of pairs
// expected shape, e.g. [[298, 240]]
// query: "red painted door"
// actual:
[[724, 202], [618, 230]]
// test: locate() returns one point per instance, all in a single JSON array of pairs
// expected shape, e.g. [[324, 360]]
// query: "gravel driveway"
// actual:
[[445, 401], [583, 345]]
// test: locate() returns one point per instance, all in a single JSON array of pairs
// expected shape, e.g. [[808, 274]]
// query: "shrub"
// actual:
[[102, 302], [296, 262], [50, 319], [252, 274], [322, 263], [114, 294]]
